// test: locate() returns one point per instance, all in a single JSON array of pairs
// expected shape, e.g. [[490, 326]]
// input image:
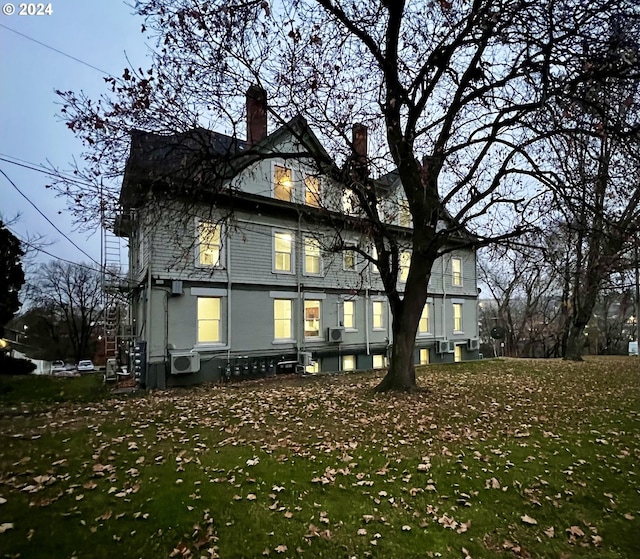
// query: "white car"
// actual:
[[57, 366], [85, 365]]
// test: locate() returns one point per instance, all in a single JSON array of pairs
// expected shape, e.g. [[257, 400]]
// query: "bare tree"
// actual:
[[443, 89], [67, 305], [595, 154], [526, 291]]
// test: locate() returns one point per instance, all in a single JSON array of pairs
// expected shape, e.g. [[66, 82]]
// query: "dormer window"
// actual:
[[404, 215], [405, 264], [312, 191], [282, 183]]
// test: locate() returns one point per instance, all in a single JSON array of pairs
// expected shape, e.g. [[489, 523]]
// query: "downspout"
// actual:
[[228, 258], [298, 264], [148, 309], [444, 300], [366, 318]]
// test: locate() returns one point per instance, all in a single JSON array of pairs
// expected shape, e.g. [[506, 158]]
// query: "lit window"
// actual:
[[312, 319], [457, 355], [349, 260], [348, 362], [456, 271], [312, 192], [423, 326], [311, 256], [282, 183], [374, 256], [378, 361], [283, 252], [457, 317], [349, 314], [424, 357], [404, 217], [282, 322], [405, 262], [208, 320], [313, 368], [208, 244], [378, 319]]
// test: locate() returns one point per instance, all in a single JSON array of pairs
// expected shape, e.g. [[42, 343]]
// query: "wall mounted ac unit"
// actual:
[[445, 346], [335, 334], [473, 344], [185, 362]]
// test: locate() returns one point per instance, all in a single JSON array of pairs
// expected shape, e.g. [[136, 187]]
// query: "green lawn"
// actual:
[[495, 459]]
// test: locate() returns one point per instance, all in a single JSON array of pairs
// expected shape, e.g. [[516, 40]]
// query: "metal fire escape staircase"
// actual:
[[113, 290]]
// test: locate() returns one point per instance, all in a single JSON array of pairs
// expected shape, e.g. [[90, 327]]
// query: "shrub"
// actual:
[[13, 366]]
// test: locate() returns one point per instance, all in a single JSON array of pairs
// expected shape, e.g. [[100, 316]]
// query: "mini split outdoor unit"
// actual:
[[335, 334], [445, 346], [185, 362], [473, 344]]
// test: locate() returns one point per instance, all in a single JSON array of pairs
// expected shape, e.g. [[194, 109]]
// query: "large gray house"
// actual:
[[248, 284]]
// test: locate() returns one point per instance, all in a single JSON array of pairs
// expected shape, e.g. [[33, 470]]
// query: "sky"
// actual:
[[98, 33]]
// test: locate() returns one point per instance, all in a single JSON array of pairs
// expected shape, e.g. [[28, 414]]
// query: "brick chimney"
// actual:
[[256, 114], [359, 139]]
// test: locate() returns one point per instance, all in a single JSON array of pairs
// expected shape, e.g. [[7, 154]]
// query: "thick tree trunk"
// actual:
[[575, 343], [401, 375], [581, 317]]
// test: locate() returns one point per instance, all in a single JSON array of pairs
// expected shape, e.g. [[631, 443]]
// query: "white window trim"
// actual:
[[356, 260], [377, 328], [320, 273], [221, 254], [320, 335], [400, 267], [292, 319], [429, 331], [461, 303], [461, 284], [273, 252], [211, 344], [272, 181], [355, 314], [305, 190]]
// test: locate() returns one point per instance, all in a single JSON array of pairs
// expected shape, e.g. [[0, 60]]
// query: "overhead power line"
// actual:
[[48, 220], [40, 249], [57, 50], [35, 167]]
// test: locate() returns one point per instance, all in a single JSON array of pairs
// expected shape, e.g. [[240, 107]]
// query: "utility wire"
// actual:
[[48, 220], [56, 50], [39, 249], [34, 167]]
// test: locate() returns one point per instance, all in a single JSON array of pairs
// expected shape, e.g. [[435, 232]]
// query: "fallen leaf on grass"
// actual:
[[281, 548], [6, 526], [550, 532], [596, 540], [629, 516], [528, 520], [575, 531]]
